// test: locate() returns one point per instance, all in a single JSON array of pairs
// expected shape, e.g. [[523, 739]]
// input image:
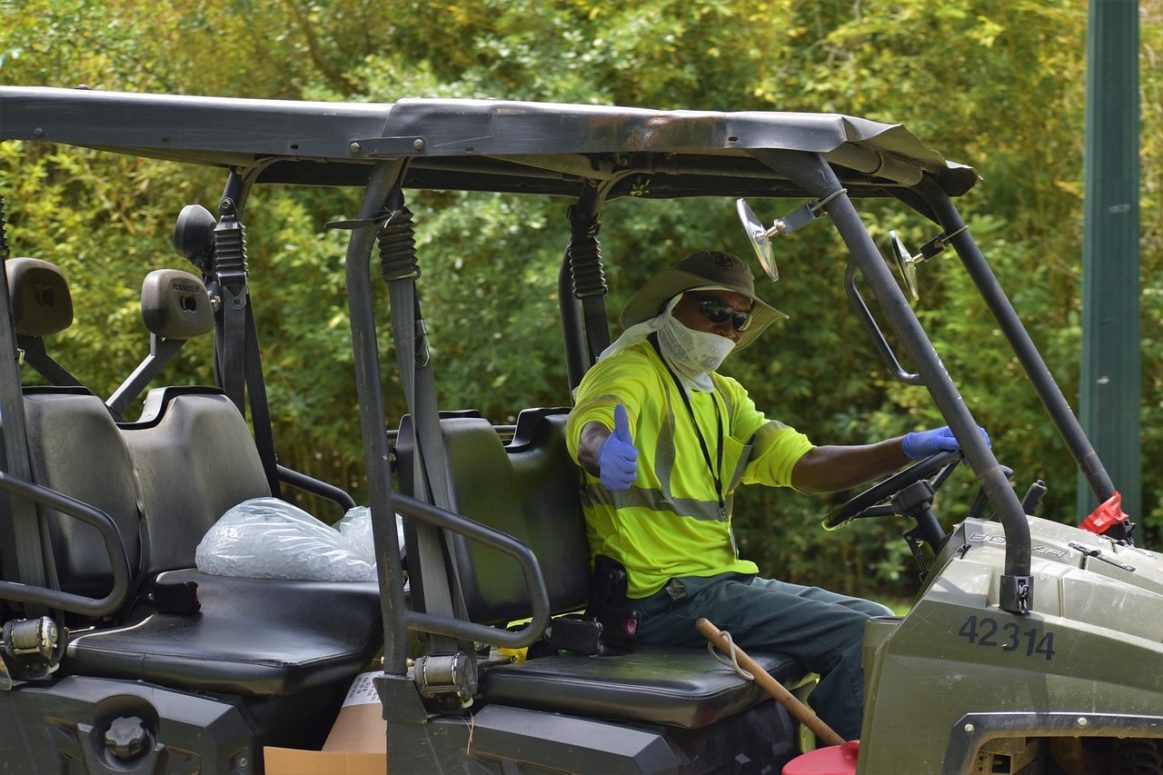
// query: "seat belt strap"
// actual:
[[597, 327], [260, 414], [230, 273], [438, 596], [27, 536], [233, 355], [426, 417]]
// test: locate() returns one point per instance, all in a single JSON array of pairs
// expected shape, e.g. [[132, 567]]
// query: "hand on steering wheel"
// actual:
[[938, 467]]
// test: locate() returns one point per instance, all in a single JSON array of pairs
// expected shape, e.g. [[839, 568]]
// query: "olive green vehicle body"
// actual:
[[958, 672]]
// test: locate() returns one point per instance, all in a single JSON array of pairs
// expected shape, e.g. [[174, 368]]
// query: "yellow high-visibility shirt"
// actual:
[[670, 522]]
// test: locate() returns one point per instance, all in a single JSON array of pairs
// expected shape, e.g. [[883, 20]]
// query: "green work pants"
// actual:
[[820, 629]]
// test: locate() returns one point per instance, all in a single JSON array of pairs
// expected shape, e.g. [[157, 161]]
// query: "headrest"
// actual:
[[41, 303], [175, 305]]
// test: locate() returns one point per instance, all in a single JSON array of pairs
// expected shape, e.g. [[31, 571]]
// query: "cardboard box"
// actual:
[[292, 761], [356, 745], [360, 725]]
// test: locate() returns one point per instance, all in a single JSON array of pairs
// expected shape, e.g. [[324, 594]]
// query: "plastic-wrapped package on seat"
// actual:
[[356, 527], [270, 538], [356, 524]]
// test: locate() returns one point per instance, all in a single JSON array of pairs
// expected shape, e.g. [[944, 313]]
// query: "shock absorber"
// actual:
[[398, 261], [230, 246], [585, 258], [229, 274], [589, 280], [398, 246]]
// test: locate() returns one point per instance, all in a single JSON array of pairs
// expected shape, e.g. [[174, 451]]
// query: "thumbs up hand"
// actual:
[[618, 459]]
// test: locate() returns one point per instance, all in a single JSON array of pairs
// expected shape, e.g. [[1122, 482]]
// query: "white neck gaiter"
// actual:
[[692, 355]]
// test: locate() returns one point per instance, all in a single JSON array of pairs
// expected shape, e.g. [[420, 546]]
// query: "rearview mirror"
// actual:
[[906, 263], [760, 238]]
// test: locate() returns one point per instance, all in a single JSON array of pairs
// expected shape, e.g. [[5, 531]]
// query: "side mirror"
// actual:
[[760, 238], [906, 264]]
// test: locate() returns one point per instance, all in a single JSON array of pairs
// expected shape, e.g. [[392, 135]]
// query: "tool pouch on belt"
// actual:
[[609, 605]]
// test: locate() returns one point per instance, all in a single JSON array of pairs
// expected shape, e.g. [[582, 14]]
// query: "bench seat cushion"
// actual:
[[252, 637], [677, 687]]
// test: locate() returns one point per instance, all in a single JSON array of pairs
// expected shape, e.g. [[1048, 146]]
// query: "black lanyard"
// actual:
[[716, 472]]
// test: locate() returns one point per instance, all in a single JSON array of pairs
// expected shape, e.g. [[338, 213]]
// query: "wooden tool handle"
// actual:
[[802, 712]]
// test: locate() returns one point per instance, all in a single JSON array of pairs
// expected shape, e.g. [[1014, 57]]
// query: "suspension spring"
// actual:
[[398, 246], [585, 261]]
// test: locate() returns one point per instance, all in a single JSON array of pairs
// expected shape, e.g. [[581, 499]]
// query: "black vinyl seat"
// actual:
[[74, 448], [676, 687], [164, 481], [195, 458], [255, 637], [530, 491]]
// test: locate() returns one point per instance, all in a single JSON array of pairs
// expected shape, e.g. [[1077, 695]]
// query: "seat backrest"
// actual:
[[73, 444], [75, 448], [529, 491], [549, 482], [174, 474], [195, 458]]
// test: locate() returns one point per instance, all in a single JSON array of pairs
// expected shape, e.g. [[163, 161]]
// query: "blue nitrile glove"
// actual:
[[921, 444], [618, 459]]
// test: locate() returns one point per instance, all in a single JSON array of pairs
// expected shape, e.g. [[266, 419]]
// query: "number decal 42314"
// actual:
[[1028, 641]]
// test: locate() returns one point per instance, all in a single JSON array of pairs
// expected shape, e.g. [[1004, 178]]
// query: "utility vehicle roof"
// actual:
[[490, 145]]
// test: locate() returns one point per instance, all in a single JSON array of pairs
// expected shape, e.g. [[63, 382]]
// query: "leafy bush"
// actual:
[[995, 83]]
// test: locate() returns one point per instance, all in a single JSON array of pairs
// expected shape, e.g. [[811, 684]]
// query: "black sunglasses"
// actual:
[[718, 311]]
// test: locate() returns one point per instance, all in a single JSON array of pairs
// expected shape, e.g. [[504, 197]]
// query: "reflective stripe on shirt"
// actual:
[[655, 500]]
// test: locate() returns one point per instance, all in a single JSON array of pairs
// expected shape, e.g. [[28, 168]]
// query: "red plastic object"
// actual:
[[1107, 515], [832, 760]]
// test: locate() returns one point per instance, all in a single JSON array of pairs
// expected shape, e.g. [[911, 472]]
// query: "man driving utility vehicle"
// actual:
[[665, 440]]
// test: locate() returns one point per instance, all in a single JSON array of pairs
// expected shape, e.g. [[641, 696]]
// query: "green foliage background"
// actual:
[[998, 84]]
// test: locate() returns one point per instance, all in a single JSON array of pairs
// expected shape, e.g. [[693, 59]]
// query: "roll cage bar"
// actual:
[[590, 154]]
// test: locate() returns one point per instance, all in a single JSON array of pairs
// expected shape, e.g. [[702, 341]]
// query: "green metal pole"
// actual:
[[1111, 389]]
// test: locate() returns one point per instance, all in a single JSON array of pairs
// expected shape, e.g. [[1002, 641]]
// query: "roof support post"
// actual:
[[372, 423], [818, 178]]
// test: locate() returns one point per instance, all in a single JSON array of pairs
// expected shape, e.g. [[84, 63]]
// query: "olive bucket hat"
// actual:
[[702, 269]]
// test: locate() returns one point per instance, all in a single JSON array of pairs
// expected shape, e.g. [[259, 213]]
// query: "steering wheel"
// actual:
[[867, 504]]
